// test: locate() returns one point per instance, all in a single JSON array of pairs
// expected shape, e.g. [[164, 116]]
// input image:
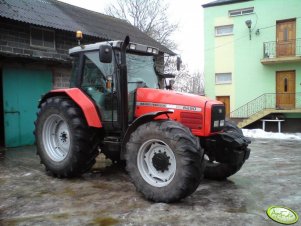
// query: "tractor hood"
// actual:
[[198, 113], [172, 100]]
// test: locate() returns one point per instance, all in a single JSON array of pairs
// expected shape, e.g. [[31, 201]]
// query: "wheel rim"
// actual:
[[56, 138], [156, 163]]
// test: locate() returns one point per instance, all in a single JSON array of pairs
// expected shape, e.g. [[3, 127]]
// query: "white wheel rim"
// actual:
[[156, 163], [56, 138]]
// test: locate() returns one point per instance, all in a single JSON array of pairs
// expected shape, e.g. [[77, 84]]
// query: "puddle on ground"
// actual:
[[101, 162], [105, 221]]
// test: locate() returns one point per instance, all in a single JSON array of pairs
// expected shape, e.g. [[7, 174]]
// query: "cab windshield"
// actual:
[[141, 72]]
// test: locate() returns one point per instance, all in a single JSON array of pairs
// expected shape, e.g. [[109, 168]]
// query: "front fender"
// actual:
[[87, 106], [136, 123]]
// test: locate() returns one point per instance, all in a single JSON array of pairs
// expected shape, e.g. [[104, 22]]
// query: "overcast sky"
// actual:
[[189, 36]]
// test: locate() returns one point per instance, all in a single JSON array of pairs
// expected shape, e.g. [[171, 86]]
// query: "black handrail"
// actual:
[[273, 49], [268, 101]]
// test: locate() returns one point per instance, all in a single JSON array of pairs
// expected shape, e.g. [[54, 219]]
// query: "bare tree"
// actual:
[[150, 16], [185, 81], [189, 83]]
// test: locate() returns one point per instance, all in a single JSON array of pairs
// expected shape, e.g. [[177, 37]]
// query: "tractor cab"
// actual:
[[96, 71]]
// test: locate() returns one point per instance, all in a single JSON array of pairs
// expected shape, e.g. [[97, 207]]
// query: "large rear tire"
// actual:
[[164, 160], [65, 143], [220, 171]]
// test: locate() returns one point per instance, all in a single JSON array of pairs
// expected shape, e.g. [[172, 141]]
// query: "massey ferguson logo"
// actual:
[[189, 108], [170, 106]]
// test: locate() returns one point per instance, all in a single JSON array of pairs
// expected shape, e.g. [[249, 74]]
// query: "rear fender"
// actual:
[[136, 123], [88, 107]]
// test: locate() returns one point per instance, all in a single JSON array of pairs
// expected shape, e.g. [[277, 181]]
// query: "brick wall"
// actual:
[[61, 77], [15, 40]]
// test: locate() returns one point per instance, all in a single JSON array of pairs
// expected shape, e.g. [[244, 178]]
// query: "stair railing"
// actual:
[[267, 101]]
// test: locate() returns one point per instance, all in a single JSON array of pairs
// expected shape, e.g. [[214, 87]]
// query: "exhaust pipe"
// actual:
[[123, 87]]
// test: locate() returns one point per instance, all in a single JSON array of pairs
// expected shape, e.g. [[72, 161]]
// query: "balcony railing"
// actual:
[[289, 48], [277, 101]]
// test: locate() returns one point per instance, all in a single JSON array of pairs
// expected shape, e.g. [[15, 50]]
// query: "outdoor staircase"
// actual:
[[263, 106], [254, 118]]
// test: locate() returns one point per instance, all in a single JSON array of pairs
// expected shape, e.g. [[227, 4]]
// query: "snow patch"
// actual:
[[27, 174], [259, 133]]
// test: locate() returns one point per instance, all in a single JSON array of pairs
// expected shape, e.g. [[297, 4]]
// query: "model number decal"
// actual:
[[169, 106]]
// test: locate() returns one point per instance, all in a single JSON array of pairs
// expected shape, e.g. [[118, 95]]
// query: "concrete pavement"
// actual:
[[105, 196]]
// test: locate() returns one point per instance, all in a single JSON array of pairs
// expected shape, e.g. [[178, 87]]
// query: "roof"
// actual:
[[223, 2], [63, 16]]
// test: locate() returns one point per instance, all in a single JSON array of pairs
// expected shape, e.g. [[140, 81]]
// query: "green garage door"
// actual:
[[22, 88]]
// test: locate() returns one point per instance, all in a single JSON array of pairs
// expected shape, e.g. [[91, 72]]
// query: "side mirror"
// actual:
[[105, 54], [179, 62], [170, 83]]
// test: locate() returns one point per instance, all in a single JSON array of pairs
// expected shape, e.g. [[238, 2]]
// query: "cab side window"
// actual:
[[94, 81], [95, 73]]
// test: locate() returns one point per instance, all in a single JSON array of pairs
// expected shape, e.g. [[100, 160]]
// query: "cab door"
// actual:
[[95, 83]]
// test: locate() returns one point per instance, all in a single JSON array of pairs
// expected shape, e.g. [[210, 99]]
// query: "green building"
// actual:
[[253, 59]]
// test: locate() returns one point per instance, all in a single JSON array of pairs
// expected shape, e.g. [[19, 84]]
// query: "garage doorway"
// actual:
[[22, 89], [226, 101]]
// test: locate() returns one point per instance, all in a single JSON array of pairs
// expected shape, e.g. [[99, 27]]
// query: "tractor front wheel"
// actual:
[[220, 171], [164, 160], [65, 143]]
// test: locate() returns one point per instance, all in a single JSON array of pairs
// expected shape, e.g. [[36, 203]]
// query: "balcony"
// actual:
[[281, 52]]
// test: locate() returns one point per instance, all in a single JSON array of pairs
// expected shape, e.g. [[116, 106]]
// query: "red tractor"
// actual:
[[118, 103]]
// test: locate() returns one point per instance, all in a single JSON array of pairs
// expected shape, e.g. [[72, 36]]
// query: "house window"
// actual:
[[42, 38], [240, 12], [223, 78], [224, 30]]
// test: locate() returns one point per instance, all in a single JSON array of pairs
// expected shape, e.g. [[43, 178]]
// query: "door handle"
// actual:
[[11, 112]]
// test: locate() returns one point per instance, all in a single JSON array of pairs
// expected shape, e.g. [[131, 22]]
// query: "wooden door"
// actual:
[[286, 38], [285, 89], [226, 101]]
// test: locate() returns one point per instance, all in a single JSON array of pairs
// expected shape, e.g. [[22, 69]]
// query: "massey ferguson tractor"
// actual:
[[118, 103]]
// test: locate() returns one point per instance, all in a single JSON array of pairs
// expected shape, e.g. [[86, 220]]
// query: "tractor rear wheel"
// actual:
[[65, 143], [164, 160], [220, 171]]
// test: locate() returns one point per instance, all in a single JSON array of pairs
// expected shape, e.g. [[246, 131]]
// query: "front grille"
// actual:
[[191, 120], [217, 118]]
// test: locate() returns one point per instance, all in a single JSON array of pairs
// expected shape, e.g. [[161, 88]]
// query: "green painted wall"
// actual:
[[250, 77]]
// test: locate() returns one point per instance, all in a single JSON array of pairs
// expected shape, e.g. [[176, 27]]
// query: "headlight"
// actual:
[[155, 51], [132, 46], [221, 123], [215, 123], [149, 49]]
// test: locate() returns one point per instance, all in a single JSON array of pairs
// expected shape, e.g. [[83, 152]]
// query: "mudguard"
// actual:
[[139, 121], [87, 106]]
